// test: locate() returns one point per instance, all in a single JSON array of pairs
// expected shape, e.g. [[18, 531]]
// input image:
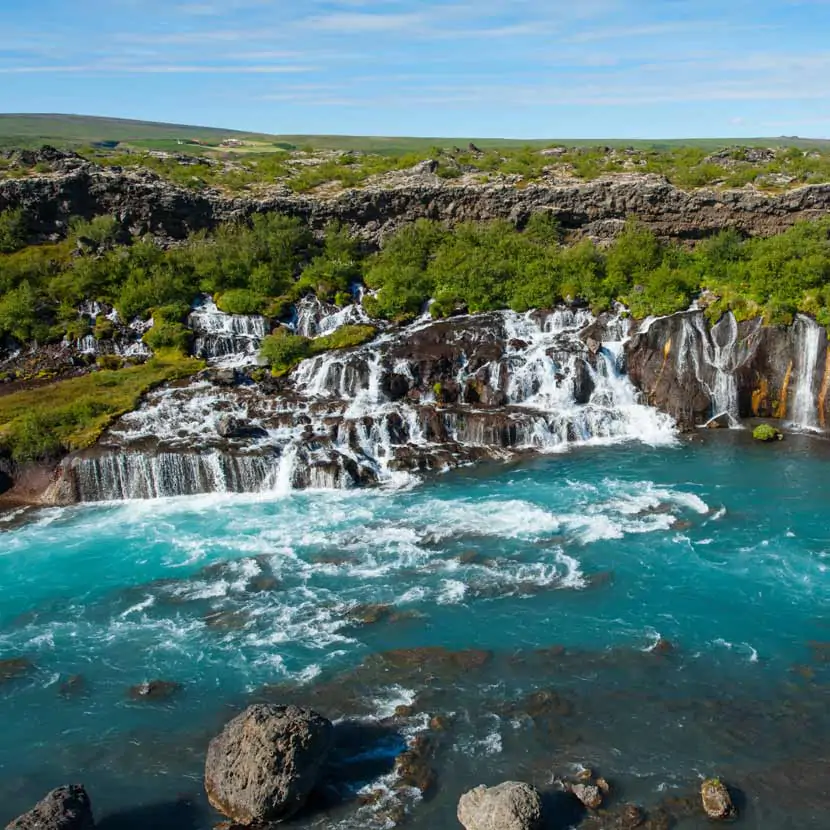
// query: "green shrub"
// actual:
[[165, 335], [104, 328], [283, 350], [13, 231], [241, 301], [109, 361], [766, 432]]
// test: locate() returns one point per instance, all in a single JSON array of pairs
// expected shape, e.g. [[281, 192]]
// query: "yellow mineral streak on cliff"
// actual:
[[781, 412], [667, 350], [760, 397], [822, 395]]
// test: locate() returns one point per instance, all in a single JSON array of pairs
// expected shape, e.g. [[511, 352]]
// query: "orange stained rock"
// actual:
[[781, 412], [822, 395], [760, 396]]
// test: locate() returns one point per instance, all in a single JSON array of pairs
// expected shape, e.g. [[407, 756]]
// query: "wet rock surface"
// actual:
[[66, 808], [266, 762]]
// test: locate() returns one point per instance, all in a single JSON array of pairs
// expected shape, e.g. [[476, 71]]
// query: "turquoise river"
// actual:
[[658, 614]]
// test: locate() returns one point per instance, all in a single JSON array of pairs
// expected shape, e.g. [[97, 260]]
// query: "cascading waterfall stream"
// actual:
[[230, 339], [341, 426]]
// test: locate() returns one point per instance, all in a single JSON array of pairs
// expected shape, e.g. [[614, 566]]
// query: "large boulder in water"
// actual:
[[266, 761], [717, 803], [509, 806], [67, 808]]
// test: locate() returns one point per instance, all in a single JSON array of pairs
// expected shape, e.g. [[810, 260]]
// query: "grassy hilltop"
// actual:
[[24, 130]]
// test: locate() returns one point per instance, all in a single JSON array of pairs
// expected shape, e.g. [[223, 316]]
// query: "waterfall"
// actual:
[[808, 338], [314, 318], [229, 339], [138, 475], [514, 382], [712, 357]]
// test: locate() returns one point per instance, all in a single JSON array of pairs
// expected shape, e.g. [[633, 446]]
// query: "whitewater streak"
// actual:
[[341, 425]]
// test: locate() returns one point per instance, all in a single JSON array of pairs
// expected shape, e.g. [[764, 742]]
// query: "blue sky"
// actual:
[[510, 68]]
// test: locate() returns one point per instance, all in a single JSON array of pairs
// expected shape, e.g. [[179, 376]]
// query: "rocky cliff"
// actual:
[[729, 371], [146, 203]]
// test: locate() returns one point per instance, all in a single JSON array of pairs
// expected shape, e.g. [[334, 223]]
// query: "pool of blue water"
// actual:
[[674, 599]]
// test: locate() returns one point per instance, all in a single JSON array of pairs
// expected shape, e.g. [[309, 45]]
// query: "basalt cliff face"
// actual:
[[730, 371], [148, 204]]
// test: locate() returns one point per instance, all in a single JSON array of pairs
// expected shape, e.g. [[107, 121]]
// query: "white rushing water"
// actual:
[[808, 334], [228, 339], [541, 387]]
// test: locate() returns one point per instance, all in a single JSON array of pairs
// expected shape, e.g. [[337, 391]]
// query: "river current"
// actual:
[[655, 613]]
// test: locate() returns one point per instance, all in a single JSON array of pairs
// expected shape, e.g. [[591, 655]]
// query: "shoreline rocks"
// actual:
[[265, 763], [66, 808], [717, 803], [509, 806]]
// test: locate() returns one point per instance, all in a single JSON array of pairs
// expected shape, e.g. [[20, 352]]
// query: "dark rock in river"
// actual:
[[265, 763], [67, 808], [154, 690], [509, 806], [14, 668]]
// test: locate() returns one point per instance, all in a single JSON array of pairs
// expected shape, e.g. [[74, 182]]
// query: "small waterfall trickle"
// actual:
[[808, 336], [712, 358], [315, 318], [230, 339]]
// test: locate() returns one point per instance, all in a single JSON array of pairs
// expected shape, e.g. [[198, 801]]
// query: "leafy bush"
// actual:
[[12, 231], [283, 350], [241, 301], [766, 432], [164, 335]]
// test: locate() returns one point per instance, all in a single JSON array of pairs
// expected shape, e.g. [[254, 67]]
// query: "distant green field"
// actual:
[[78, 130]]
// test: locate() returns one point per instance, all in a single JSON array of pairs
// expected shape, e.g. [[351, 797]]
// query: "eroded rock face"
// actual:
[[266, 761], [697, 372], [67, 808], [145, 203], [509, 806]]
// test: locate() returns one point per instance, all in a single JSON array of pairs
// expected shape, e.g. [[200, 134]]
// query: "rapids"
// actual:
[[554, 584]]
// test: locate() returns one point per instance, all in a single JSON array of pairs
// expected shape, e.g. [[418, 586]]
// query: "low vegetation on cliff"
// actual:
[[51, 419]]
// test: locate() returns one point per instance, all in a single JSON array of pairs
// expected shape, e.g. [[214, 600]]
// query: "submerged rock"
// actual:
[[717, 803], [14, 668], [265, 763], [66, 808], [155, 690], [509, 806]]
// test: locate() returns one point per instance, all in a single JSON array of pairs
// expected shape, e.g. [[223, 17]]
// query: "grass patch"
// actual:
[[72, 414]]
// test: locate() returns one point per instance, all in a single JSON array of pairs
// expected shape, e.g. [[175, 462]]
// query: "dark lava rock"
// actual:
[[67, 808], [154, 690], [265, 763], [509, 806], [369, 614], [73, 686], [14, 668]]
